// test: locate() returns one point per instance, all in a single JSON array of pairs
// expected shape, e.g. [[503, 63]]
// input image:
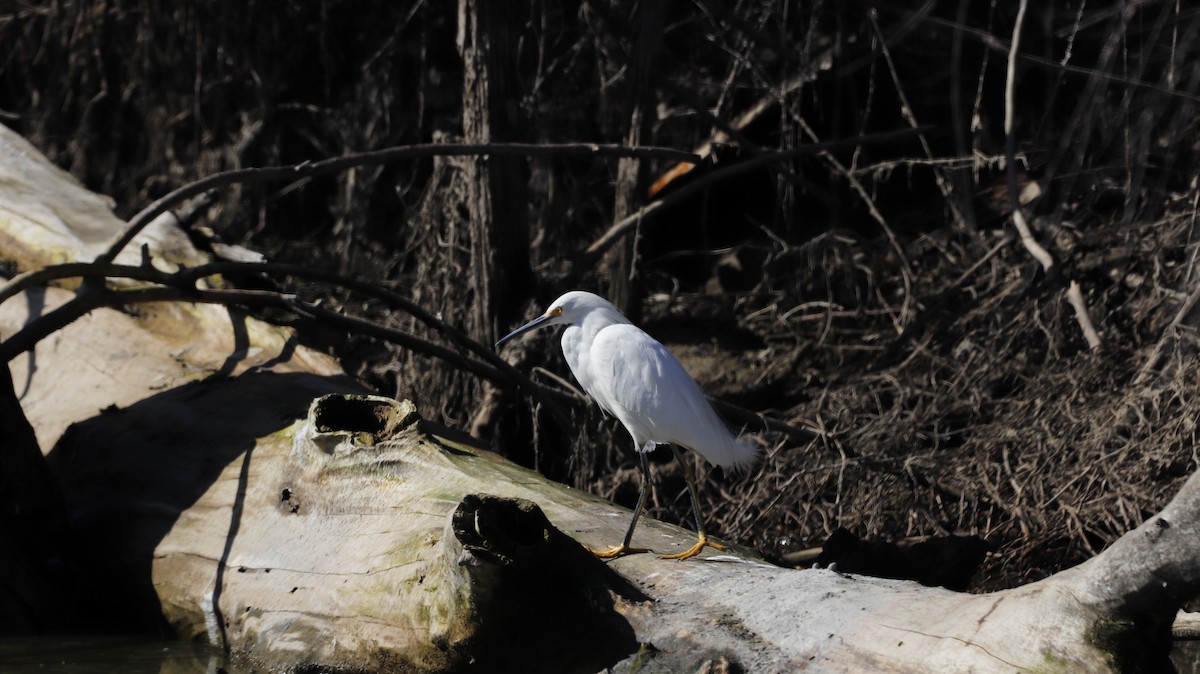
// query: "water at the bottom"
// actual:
[[141, 655], [1185, 655], [108, 654]]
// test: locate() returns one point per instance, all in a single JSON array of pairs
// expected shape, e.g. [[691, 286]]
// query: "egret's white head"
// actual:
[[569, 309]]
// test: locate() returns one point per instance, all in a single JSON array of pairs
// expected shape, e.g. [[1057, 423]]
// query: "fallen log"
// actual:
[[357, 550], [361, 538]]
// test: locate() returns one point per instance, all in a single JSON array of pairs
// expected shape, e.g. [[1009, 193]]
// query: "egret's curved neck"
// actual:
[[597, 319], [577, 343]]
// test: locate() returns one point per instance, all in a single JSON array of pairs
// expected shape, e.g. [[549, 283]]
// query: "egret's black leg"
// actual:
[[623, 548], [701, 536], [641, 502]]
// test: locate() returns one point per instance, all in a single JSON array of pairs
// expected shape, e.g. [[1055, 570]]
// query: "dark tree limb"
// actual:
[[644, 214], [335, 164], [181, 287]]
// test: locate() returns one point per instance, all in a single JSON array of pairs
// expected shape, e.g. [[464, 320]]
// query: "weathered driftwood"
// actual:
[[361, 537], [202, 495], [356, 545], [362, 540]]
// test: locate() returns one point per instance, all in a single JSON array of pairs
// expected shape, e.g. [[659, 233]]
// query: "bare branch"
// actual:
[[1075, 297], [906, 110], [1035, 249], [386, 155], [622, 227], [992, 43], [181, 287], [1169, 334], [1074, 294], [906, 274]]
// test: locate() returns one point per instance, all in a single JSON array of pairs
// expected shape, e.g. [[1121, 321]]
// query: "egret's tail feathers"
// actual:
[[745, 453], [724, 447]]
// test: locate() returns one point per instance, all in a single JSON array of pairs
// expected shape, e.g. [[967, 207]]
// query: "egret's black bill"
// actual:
[[524, 328]]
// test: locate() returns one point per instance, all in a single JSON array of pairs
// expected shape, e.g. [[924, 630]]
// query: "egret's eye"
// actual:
[[556, 311]]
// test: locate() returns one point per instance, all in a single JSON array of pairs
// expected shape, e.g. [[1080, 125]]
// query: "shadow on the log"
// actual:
[[32, 520], [948, 561], [124, 493], [552, 604]]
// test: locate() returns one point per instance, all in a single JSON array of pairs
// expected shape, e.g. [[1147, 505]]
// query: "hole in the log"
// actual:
[[288, 503], [520, 525], [500, 525], [357, 414]]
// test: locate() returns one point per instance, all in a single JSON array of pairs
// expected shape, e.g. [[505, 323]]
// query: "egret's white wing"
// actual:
[[642, 384]]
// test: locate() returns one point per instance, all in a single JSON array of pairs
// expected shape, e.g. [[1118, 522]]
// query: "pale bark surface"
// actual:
[[349, 547]]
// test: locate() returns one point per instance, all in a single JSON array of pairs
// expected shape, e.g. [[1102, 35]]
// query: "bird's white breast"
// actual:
[[576, 354]]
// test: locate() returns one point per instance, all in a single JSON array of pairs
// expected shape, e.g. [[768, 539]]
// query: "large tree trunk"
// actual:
[[621, 262], [496, 186], [469, 269]]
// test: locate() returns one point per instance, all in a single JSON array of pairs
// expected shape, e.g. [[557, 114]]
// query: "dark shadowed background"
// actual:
[[874, 298]]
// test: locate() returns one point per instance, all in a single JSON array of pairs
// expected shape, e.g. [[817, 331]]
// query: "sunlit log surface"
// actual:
[[360, 537]]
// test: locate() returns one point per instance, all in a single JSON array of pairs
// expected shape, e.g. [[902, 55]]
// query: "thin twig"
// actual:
[[737, 413], [1035, 249], [992, 43], [905, 267], [1075, 297], [733, 130], [40, 277], [906, 109], [1168, 336], [1074, 294]]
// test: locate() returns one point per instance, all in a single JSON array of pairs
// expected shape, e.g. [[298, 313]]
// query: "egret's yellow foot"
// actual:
[[615, 551], [701, 543]]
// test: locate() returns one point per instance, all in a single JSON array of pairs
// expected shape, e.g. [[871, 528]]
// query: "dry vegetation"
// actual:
[[873, 298]]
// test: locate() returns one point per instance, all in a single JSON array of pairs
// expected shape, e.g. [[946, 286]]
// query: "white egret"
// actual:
[[636, 379]]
